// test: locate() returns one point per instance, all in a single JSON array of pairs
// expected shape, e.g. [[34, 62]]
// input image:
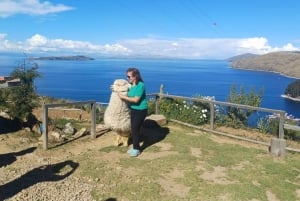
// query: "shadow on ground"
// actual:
[[8, 125], [152, 133], [9, 158], [40, 174]]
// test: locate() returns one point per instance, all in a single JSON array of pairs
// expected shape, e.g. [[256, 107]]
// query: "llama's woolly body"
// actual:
[[117, 113]]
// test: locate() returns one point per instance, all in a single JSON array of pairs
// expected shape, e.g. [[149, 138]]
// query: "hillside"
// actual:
[[287, 63]]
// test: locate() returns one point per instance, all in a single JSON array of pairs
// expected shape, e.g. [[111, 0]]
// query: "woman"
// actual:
[[136, 98]]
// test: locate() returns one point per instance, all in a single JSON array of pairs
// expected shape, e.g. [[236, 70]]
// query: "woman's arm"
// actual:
[[135, 99]]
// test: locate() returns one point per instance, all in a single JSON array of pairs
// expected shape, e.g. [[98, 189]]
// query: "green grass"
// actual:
[[220, 171]]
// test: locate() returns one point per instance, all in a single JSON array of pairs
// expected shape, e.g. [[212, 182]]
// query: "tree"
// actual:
[[3, 97], [238, 116], [293, 89], [23, 99]]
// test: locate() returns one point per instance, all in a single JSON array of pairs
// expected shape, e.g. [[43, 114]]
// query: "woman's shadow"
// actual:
[[152, 133], [9, 158], [54, 172]]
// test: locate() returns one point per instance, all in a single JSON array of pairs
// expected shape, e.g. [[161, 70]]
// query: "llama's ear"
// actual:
[[112, 87]]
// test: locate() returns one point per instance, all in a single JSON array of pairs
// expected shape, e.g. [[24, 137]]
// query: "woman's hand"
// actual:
[[122, 96], [129, 99]]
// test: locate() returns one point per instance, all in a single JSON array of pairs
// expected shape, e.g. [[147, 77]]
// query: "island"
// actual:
[[67, 58], [289, 97]]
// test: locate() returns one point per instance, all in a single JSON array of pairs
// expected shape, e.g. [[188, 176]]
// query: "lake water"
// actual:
[[91, 80]]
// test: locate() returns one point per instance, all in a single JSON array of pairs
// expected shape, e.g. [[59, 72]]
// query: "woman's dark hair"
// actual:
[[136, 73]]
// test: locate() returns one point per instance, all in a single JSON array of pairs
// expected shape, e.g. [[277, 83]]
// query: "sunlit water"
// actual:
[[91, 80]]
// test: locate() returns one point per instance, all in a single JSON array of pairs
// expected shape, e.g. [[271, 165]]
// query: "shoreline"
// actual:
[[280, 73], [290, 98]]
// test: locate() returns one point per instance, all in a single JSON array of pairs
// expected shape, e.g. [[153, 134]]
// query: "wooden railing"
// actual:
[[158, 96], [214, 103], [45, 118]]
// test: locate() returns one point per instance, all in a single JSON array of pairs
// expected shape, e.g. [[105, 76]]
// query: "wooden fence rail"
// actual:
[[45, 118], [158, 96], [213, 103]]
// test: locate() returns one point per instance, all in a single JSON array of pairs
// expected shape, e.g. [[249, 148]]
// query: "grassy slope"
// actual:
[[192, 165]]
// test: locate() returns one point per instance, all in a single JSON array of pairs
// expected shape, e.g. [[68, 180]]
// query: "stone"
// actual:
[[80, 133], [69, 129], [158, 118], [277, 147]]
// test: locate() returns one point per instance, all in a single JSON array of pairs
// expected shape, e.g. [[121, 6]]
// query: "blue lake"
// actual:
[[90, 80]]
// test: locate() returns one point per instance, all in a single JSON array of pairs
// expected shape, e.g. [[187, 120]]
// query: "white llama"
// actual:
[[117, 113]]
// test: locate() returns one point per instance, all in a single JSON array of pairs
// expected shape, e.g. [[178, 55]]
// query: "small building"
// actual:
[[6, 81]]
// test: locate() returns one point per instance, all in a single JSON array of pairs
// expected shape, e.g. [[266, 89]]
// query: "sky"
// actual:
[[185, 29]]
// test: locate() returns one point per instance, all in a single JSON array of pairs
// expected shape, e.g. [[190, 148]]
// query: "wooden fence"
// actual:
[[45, 118], [213, 104], [158, 96]]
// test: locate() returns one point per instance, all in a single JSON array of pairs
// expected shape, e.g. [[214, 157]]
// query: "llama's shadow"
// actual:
[[51, 172], [152, 133], [8, 158]]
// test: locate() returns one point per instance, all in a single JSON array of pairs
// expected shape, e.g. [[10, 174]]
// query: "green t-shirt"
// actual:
[[138, 91]]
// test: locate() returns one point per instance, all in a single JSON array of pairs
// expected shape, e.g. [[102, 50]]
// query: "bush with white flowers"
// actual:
[[192, 112]]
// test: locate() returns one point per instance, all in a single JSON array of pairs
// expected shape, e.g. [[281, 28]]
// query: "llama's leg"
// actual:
[[125, 141], [118, 139]]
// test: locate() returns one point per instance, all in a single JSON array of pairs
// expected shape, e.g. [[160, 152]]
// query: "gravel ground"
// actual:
[[29, 176]]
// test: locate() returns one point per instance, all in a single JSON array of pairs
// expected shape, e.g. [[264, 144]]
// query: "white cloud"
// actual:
[[188, 48], [30, 7], [2, 36], [41, 44], [198, 48], [37, 40], [290, 47]]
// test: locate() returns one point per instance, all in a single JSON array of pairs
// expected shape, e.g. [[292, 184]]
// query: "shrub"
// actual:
[[21, 100], [236, 117], [192, 112]]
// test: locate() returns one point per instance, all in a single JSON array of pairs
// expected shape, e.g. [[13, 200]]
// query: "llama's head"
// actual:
[[120, 85]]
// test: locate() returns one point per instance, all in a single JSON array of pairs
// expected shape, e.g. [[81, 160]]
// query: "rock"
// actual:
[[5, 115], [56, 136], [69, 129], [158, 118], [27, 129], [80, 133], [24, 140]]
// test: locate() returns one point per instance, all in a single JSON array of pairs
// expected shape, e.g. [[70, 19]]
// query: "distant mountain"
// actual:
[[68, 58], [286, 63], [242, 56]]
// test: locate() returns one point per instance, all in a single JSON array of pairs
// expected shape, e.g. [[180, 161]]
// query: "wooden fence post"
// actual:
[[158, 98], [281, 122], [278, 145], [212, 115], [45, 127], [93, 120]]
